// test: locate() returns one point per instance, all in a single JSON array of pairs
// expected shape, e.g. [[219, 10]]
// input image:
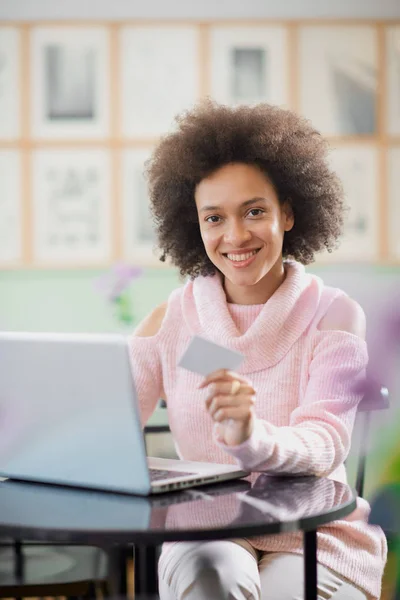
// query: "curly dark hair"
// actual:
[[285, 146]]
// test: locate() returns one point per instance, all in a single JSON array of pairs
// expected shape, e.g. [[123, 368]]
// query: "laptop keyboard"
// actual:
[[157, 474]]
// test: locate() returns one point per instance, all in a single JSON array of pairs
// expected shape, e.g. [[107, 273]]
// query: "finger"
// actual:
[[223, 375], [237, 413], [225, 389], [226, 401]]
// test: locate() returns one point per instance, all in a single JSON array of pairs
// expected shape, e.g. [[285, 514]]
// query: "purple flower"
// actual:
[[115, 281]]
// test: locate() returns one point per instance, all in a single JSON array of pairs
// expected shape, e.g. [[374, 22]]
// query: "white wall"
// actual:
[[197, 9]]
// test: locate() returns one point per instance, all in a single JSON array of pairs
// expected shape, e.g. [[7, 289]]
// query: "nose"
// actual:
[[236, 233]]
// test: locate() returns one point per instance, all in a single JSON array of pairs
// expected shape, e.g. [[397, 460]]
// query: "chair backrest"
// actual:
[[375, 398]]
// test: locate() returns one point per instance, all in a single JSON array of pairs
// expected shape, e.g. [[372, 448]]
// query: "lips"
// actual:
[[241, 257], [241, 260]]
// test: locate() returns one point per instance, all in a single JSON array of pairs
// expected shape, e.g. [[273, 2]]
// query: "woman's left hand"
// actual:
[[230, 404]]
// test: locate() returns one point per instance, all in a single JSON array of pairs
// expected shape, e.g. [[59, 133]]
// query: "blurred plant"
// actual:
[[114, 285]]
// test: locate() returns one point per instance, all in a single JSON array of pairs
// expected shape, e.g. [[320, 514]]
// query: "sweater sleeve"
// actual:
[[147, 373], [318, 438]]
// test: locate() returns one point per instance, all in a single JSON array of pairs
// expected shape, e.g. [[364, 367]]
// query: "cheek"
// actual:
[[210, 238], [270, 231], [277, 229]]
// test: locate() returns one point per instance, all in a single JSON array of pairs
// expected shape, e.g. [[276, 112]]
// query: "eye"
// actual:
[[255, 212], [213, 219]]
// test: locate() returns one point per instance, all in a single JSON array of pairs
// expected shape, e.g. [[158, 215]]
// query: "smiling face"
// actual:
[[242, 223]]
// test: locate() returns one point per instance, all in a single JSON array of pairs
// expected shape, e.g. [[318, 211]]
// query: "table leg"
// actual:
[[146, 571], [117, 556], [310, 565], [19, 560]]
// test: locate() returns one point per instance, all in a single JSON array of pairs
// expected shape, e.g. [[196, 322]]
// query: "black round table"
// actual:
[[266, 505]]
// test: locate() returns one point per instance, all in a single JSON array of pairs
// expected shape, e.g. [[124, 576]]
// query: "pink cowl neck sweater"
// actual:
[[305, 403]]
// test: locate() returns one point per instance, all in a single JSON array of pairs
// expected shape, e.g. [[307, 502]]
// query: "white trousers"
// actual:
[[233, 570]]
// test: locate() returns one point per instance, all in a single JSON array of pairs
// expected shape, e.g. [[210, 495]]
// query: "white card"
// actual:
[[205, 357]]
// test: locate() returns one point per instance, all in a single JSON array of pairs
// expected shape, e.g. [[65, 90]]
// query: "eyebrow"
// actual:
[[243, 205]]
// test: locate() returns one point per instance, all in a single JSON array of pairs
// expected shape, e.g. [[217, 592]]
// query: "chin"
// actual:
[[243, 279]]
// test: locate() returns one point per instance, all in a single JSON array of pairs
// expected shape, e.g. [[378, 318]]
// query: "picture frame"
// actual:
[[393, 80], [11, 211], [71, 207], [149, 72], [139, 239], [70, 82], [394, 202], [10, 73], [357, 165], [249, 65], [343, 61], [160, 77]]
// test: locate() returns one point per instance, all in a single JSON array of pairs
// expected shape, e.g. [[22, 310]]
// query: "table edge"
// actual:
[[156, 537]]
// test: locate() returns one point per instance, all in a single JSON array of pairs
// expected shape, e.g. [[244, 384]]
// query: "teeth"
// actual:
[[240, 257]]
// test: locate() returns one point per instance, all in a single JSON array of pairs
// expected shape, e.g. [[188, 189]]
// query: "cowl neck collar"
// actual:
[[282, 320]]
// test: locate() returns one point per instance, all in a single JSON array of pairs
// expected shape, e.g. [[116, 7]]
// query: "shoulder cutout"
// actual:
[[151, 324], [344, 314]]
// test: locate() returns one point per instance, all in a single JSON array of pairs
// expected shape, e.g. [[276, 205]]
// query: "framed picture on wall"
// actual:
[[10, 208], [393, 80], [10, 102], [71, 207], [249, 65], [394, 202], [138, 231], [357, 165], [338, 74], [160, 74], [70, 82]]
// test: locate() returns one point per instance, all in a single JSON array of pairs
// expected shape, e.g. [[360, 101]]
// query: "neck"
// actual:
[[258, 293]]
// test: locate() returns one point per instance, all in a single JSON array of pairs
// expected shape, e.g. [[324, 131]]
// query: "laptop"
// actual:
[[69, 415]]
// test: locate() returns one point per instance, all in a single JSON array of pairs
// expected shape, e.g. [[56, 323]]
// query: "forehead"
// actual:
[[234, 182]]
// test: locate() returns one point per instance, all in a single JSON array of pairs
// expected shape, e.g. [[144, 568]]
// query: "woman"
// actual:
[[242, 199]]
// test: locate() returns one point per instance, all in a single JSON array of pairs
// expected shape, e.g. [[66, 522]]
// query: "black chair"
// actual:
[[376, 398], [30, 569], [385, 503]]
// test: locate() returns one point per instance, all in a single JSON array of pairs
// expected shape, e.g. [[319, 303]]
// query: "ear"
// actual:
[[288, 216]]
